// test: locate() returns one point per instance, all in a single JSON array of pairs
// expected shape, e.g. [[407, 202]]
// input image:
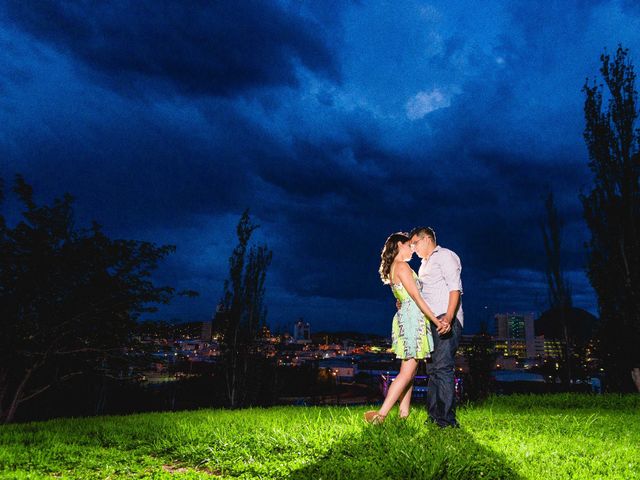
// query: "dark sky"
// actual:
[[336, 123]]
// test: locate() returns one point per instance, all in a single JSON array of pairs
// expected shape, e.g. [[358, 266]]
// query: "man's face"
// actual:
[[419, 245]]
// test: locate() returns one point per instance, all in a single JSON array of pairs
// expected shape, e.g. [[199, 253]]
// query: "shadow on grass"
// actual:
[[408, 450]]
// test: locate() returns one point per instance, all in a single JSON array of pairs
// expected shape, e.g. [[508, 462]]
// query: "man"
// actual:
[[442, 290]]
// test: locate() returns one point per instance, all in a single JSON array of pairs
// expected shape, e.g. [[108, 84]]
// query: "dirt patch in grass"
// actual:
[[174, 469], [180, 469]]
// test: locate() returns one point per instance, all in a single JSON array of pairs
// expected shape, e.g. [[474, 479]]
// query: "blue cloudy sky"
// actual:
[[335, 122]]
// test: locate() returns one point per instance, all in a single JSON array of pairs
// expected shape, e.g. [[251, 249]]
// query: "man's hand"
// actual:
[[442, 328], [444, 325], [398, 304]]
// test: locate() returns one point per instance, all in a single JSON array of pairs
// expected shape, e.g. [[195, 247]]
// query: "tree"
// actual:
[[558, 286], [68, 298], [582, 328], [612, 212], [481, 358], [243, 311]]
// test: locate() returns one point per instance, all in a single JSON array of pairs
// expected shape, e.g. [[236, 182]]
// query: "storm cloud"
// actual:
[[335, 123]]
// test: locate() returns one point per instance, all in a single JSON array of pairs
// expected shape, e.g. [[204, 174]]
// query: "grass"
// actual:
[[518, 437]]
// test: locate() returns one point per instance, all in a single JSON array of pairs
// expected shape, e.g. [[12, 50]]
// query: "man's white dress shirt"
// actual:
[[440, 274]]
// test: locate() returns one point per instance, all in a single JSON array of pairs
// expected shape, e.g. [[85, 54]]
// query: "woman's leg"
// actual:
[[399, 385], [405, 399]]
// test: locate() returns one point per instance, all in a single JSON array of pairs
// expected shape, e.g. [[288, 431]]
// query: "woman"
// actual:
[[411, 331]]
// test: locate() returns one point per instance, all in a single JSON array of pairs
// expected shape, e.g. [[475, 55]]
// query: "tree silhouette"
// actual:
[[558, 286], [243, 312], [612, 212], [68, 297], [481, 358]]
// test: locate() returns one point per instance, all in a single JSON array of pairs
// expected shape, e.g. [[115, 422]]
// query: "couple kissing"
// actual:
[[428, 323]]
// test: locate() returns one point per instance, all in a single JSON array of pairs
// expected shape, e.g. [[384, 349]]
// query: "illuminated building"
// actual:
[[553, 349], [516, 335], [302, 332], [207, 331]]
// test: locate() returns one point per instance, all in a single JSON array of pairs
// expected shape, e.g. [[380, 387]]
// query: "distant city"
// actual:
[[357, 367]]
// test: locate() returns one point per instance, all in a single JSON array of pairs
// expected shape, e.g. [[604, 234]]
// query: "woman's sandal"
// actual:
[[373, 417]]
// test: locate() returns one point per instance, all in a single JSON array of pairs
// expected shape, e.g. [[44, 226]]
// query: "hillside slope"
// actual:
[[517, 437]]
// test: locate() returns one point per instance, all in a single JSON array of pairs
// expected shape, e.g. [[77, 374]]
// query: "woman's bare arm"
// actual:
[[404, 274]]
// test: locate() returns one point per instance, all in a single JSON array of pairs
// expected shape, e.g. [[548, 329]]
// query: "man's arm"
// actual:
[[452, 307], [451, 269]]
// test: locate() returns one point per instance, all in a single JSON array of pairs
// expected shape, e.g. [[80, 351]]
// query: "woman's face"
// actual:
[[405, 251]]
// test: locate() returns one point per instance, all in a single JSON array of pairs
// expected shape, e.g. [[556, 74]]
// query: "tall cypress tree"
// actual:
[[558, 287], [612, 212], [244, 312]]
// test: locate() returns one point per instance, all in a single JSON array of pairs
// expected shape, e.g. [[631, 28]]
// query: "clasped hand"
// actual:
[[444, 325]]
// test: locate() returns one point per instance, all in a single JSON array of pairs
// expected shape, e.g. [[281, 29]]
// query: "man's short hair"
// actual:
[[422, 231]]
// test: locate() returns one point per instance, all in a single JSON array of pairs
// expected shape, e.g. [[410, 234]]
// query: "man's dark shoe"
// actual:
[[439, 423], [449, 425]]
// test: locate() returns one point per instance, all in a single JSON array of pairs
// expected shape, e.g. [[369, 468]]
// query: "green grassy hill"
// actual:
[[518, 437]]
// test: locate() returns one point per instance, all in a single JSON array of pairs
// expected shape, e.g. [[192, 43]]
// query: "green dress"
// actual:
[[410, 330]]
